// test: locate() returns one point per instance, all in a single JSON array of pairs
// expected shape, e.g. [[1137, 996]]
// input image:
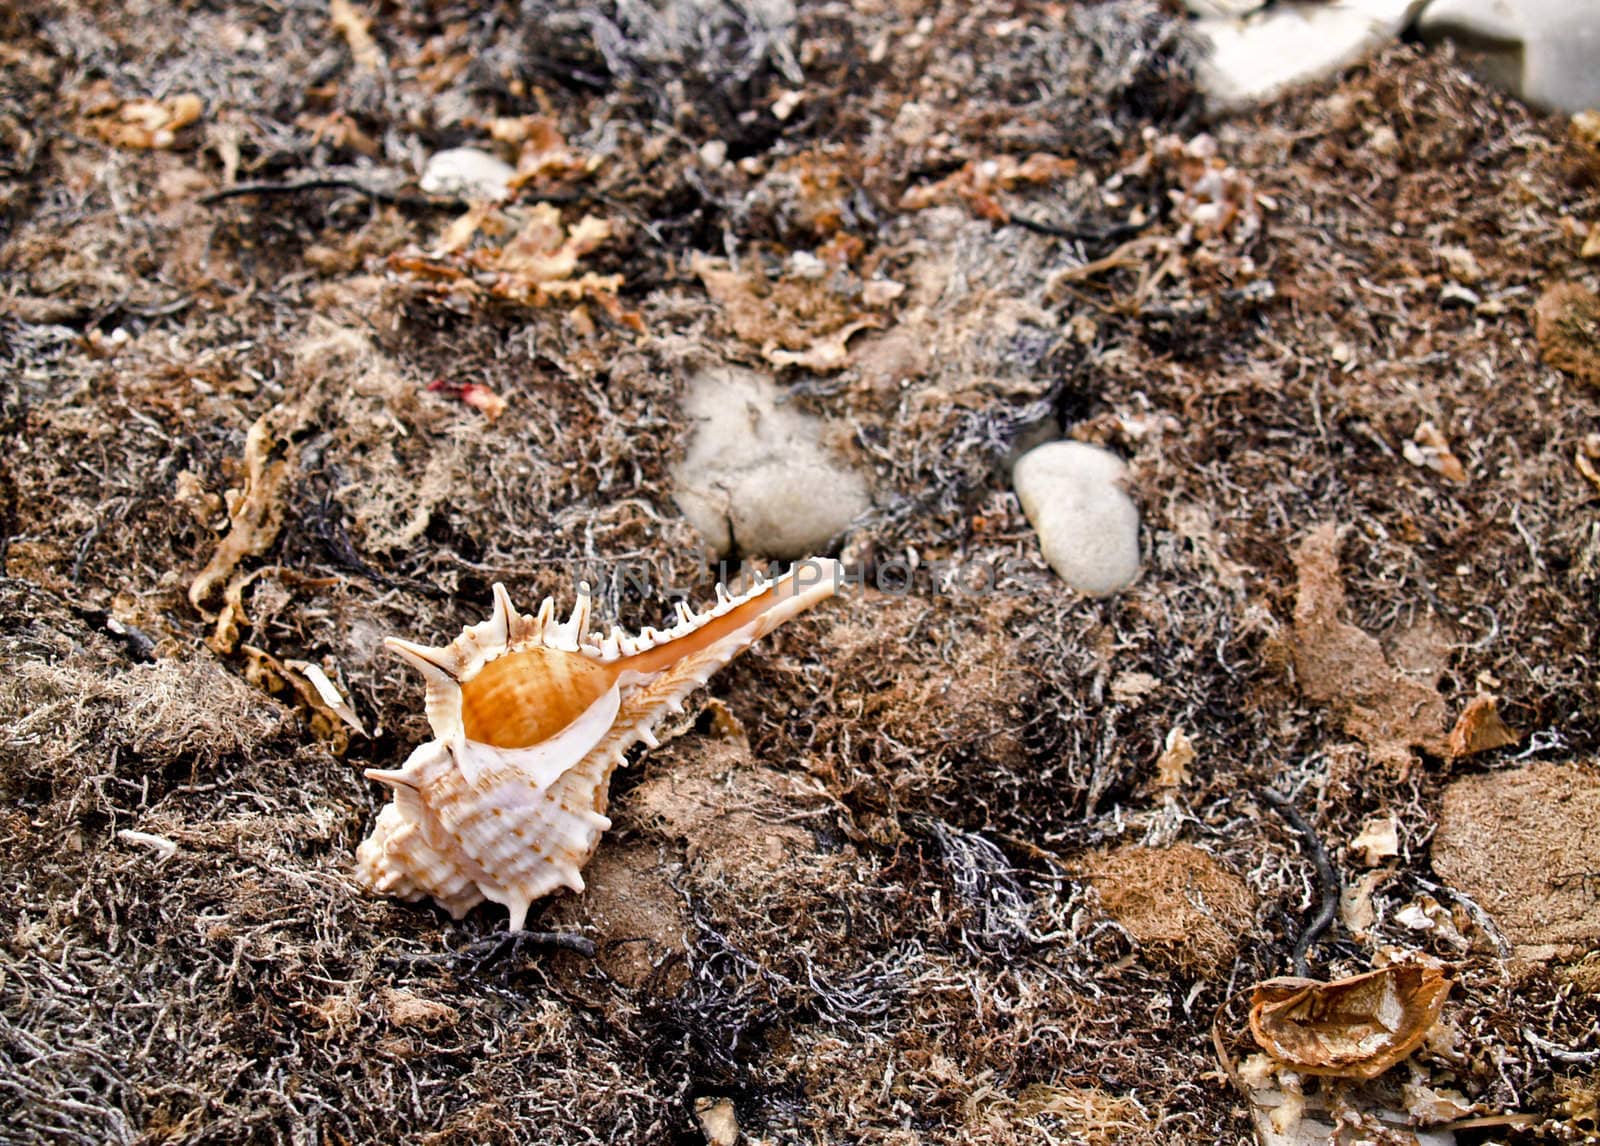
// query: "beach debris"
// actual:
[[758, 476], [530, 717], [1074, 497], [1357, 1027]]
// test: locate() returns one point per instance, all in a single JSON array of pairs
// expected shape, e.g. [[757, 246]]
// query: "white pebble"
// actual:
[[1248, 61], [1088, 526], [467, 174]]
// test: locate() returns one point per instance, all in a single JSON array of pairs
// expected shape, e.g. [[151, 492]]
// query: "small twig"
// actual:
[[1327, 878], [84, 545], [333, 183], [1559, 1053], [379, 194], [1089, 234]]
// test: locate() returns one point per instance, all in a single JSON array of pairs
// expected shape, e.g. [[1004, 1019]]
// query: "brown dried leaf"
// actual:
[[525, 256], [255, 512], [1567, 323], [1378, 840], [1585, 458], [1172, 769], [147, 124], [543, 153], [1339, 665], [271, 675], [830, 352], [1213, 198], [977, 181], [797, 319], [1356, 910], [1479, 729], [1431, 449], [356, 28], [1351, 1028], [408, 1009]]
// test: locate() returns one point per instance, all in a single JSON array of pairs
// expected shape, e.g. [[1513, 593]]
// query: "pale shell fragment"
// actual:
[[530, 717]]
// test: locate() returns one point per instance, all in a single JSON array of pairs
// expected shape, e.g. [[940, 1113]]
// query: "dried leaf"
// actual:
[[977, 181], [1351, 1028], [1430, 449], [1567, 323], [1379, 840], [1479, 729], [1212, 199], [522, 256], [356, 28], [147, 124], [543, 154], [272, 675], [800, 319], [1339, 665], [332, 699], [1172, 769], [255, 512], [1132, 687], [1355, 902], [1586, 467], [827, 353]]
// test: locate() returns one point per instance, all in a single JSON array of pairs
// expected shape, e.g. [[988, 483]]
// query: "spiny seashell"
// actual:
[[530, 716]]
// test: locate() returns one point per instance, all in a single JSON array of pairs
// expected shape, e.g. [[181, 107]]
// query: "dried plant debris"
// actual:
[[977, 183], [518, 256], [1357, 1027], [1567, 322], [1524, 846], [143, 124], [1212, 199], [806, 316], [1388, 709], [1479, 728], [1186, 909], [963, 856]]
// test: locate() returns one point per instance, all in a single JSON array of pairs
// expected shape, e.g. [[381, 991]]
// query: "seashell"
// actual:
[[530, 716], [1356, 1027]]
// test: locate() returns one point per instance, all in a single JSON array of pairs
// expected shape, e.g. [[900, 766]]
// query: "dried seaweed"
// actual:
[[884, 915]]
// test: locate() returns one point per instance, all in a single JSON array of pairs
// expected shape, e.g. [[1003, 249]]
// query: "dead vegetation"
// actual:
[[930, 871]]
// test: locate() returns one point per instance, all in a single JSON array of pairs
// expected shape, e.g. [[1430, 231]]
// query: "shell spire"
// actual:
[[530, 717]]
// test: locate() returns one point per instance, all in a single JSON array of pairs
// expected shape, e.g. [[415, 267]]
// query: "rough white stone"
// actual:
[[1224, 7], [757, 476], [1253, 59], [1545, 51], [1088, 526], [466, 173]]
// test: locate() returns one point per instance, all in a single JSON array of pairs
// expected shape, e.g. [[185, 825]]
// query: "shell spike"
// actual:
[[505, 613], [394, 777], [579, 623], [685, 614], [431, 662], [543, 626]]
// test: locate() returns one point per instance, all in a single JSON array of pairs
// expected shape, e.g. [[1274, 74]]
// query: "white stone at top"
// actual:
[[1546, 51], [1088, 526], [1255, 58]]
